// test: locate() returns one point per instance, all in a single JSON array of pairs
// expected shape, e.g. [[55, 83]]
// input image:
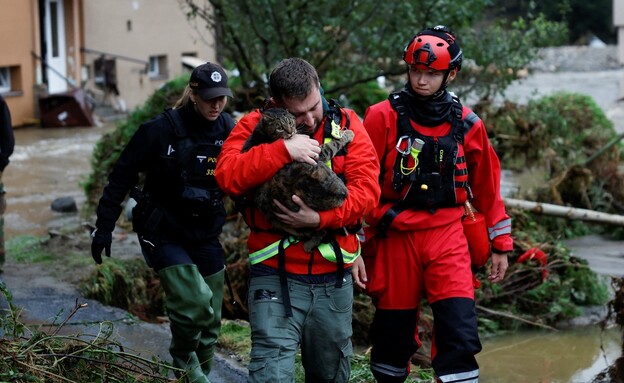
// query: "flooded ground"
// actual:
[[46, 164], [571, 356]]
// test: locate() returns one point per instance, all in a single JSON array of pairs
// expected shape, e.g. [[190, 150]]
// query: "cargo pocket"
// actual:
[[344, 367], [257, 371], [264, 366]]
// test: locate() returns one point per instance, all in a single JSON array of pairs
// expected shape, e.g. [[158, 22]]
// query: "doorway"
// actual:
[[54, 40]]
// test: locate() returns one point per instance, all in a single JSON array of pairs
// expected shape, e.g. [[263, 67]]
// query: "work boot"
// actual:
[[188, 301], [208, 339]]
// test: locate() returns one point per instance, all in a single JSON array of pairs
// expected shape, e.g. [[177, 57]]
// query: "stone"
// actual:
[[64, 205]]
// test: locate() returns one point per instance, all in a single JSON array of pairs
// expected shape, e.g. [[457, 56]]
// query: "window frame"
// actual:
[[5, 79], [157, 67]]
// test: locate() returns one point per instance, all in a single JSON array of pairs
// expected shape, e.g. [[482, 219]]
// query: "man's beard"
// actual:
[[304, 129]]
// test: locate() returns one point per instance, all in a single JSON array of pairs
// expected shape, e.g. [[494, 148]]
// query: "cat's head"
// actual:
[[278, 123]]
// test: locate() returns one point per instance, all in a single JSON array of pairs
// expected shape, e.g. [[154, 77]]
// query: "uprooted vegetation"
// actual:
[[615, 372], [567, 139], [47, 355]]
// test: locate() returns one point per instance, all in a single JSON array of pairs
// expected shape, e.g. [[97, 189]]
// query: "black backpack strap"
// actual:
[[281, 267], [339, 261], [174, 118], [334, 115], [461, 127], [455, 117], [404, 129], [403, 122]]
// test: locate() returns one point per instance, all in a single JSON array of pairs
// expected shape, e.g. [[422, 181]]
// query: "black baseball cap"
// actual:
[[210, 81]]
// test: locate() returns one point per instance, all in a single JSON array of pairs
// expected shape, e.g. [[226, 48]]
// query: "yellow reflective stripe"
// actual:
[[269, 251], [326, 250], [328, 162]]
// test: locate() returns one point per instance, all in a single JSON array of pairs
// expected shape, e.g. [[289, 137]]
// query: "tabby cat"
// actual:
[[317, 185]]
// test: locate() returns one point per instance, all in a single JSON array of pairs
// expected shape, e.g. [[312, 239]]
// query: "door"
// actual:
[[56, 58]]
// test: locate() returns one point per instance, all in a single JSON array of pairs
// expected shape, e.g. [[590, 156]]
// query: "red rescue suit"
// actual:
[[424, 255], [239, 173]]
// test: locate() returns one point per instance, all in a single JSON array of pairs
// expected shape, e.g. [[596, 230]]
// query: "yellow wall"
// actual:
[[19, 31], [20, 38]]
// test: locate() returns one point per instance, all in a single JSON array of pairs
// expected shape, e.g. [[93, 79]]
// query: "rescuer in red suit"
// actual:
[[435, 155]]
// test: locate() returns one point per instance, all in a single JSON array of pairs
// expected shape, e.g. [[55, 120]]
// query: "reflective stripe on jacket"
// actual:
[[325, 249], [239, 173]]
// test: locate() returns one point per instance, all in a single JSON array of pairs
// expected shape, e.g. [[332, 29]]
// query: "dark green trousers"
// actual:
[[320, 327]]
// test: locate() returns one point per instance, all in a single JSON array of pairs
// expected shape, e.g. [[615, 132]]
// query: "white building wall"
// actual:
[[139, 29]]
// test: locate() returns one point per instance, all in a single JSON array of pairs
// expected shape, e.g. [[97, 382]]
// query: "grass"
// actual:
[[28, 249]]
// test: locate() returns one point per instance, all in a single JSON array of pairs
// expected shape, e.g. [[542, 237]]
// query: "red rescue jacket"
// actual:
[[239, 173], [380, 121]]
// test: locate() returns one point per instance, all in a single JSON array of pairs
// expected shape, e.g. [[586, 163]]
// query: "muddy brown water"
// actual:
[[46, 164], [51, 163]]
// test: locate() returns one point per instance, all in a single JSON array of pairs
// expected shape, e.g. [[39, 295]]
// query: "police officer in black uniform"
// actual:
[[180, 212]]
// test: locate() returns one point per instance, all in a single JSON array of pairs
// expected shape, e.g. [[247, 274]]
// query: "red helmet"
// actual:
[[435, 48]]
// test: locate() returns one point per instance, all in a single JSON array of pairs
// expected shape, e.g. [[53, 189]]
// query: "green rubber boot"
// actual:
[[188, 301], [208, 339]]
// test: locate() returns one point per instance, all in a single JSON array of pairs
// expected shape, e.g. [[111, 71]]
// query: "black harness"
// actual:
[[432, 180], [193, 212], [200, 193]]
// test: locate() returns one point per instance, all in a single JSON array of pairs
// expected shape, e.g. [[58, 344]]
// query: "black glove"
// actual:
[[101, 241]]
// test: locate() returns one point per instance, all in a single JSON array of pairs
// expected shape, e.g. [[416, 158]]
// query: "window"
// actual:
[[5, 79], [157, 67]]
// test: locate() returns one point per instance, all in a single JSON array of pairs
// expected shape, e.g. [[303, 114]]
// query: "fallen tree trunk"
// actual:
[[565, 211]]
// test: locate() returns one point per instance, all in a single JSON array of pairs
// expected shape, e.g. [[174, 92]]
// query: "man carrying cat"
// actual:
[[298, 298]]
